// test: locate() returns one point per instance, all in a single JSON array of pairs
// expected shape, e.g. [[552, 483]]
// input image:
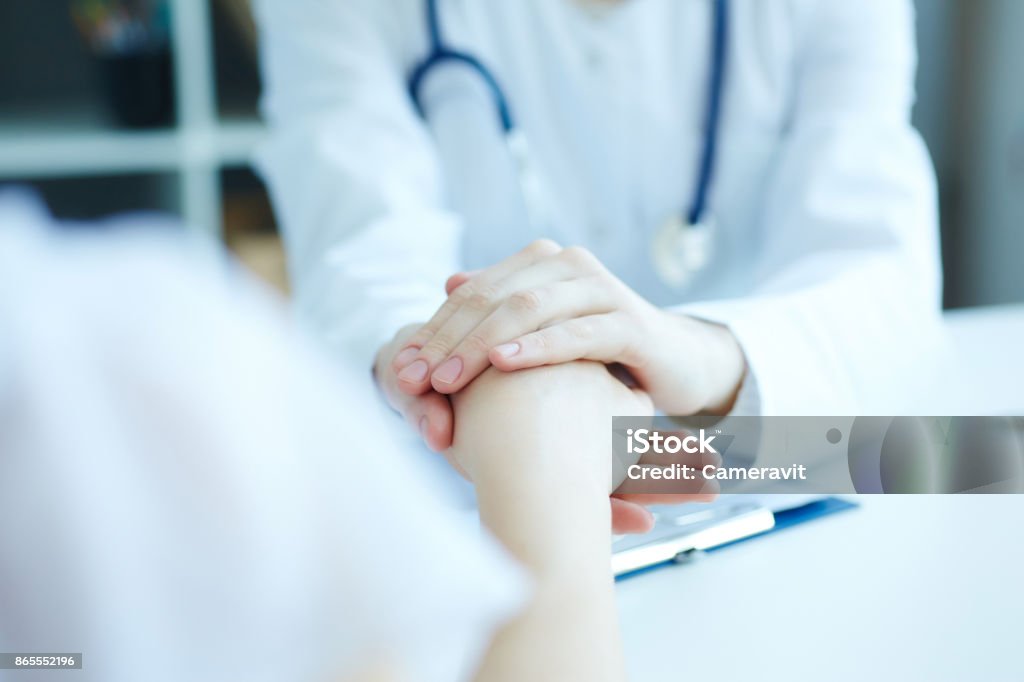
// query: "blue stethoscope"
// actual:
[[682, 247]]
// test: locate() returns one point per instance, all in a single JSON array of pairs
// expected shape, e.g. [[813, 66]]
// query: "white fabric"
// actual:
[[826, 264], [188, 491]]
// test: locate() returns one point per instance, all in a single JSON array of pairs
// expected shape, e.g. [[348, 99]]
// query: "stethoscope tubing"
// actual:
[[713, 120], [440, 54]]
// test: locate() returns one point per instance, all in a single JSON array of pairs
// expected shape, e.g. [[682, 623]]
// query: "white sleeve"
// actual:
[[352, 170], [188, 491], [846, 315]]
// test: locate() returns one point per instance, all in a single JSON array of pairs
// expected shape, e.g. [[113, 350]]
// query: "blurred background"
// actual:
[[109, 106]]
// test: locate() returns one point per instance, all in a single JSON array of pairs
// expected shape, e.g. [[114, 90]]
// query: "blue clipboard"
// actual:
[[787, 518], [783, 519]]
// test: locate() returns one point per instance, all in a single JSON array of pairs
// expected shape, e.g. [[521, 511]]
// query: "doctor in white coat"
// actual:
[[808, 283]]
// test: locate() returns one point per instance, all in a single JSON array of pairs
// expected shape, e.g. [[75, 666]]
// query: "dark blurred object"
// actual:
[[139, 88], [235, 60], [86, 201], [249, 227], [240, 14], [130, 39]]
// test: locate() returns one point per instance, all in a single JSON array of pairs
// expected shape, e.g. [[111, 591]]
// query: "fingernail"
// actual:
[[415, 372], [507, 350], [449, 371], [406, 356], [424, 425]]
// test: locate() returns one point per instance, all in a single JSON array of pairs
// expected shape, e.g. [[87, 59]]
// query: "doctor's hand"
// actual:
[[429, 412], [548, 305]]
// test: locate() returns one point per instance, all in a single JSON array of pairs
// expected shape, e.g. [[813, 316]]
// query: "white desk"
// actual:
[[988, 375], [903, 588]]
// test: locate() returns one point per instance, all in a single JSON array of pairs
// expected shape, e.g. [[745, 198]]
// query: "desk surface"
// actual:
[[905, 587], [988, 373]]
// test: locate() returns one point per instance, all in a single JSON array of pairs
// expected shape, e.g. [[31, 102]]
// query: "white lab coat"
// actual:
[[826, 264]]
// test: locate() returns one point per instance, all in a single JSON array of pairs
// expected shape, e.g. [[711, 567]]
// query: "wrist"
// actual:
[[725, 367], [719, 365], [541, 463], [560, 532]]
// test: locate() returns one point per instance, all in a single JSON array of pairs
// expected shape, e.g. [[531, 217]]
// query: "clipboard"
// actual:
[[712, 531]]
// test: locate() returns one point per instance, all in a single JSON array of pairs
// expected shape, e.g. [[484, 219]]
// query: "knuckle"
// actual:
[[439, 346], [580, 257], [420, 338], [482, 299], [526, 301], [542, 247], [446, 310], [580, 330], [476, 343], [542, 341], [458, 297]]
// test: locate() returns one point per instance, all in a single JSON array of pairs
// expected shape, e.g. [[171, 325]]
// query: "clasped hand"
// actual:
[[548, 305]]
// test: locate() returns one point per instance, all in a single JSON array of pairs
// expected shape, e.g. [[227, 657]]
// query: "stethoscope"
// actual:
[[683, 245]]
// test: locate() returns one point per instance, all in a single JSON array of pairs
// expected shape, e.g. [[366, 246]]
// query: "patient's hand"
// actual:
[[537, 445], [524, 414], [555, 422]]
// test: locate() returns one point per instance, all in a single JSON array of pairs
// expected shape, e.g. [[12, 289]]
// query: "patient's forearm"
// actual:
[[537, 445]]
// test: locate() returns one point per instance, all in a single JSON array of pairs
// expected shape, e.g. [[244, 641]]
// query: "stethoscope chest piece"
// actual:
[[679, 251]]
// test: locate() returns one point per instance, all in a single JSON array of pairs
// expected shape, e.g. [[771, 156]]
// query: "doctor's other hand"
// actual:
[[548, 305], [429, 412]]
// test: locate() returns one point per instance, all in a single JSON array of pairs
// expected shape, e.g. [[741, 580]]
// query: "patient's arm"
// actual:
[[537, 445]]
